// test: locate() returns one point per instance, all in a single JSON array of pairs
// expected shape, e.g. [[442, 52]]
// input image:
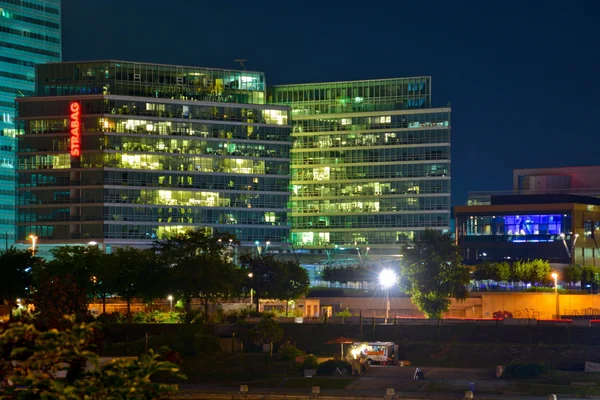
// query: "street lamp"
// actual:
[[170, 298], [387, 279], [555, 276], [33, 241], [250, 275]]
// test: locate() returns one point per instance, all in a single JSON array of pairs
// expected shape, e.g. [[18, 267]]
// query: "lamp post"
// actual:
[[387, 278], [250, 275], [170, 298], [555, 276], [33, 242]]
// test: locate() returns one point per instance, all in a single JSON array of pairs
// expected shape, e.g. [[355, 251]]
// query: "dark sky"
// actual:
[[522, 76]]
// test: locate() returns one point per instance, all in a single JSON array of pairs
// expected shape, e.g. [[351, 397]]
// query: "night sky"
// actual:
[[522, 76]]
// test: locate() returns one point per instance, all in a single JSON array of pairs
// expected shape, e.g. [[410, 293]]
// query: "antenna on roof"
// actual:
[[241, 63]]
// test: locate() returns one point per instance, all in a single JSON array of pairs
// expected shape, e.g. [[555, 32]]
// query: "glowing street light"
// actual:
[[251, 275], [170, 298], [555, 276], [387, 279], [33, 241]]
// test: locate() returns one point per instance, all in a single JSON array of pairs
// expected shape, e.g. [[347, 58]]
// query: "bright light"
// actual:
[[92, 243], [170, 298], [562, 235], [250, 274], [554, 275], [387, 278]]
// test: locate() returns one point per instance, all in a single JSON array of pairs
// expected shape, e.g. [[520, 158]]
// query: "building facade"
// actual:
[[561, 228], [370, 164], [584, 181], [30, 34], [123, 153]]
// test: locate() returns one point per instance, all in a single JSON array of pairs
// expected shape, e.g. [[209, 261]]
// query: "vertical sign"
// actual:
[[75, 108]]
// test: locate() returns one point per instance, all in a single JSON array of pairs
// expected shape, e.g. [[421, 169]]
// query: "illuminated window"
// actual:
[[269, 217], [346, 121], [277, 117]]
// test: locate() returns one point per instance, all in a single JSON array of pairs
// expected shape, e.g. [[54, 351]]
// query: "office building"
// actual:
[[30, 34], [370, 165], [583, 181], [561, 228], [124, 153]]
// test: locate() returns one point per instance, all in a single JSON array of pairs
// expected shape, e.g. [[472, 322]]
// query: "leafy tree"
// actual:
[[294, 282], [16, 276], [268, 331], [56, 296], [492, 271], [134, 274], [540, 271], [275, 279], [590, 276], [105, 278], [571, 274], [40, 355], [199, 266], [77, 262], [433, 272]]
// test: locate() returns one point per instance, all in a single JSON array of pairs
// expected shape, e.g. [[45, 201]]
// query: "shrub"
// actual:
[[328, 367], [289, 351], [344, 313], [112, 318], [525, 370], [311, 362]]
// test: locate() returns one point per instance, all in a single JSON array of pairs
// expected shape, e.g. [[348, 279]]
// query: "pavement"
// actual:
[[449, 383]]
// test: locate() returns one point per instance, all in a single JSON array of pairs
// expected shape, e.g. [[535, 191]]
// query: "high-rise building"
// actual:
[[370, 164], [31, 34], [124, 153]]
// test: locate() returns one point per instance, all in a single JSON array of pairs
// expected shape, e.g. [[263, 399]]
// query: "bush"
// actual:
[[311, 362], [344, 313], [112, 318], [289, 351], [525, 370], [329, 367]]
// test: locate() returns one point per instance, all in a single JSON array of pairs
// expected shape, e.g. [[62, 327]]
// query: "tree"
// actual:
[[15, 273], [275, 279], [434, 273], [199, 266], [571, 274], [56, 296], [540, 271], [590, 276], [268, 331], [40, 355], [134, 274], [294, 282]]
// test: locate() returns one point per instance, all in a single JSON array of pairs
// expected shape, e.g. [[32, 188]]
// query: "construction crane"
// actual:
[[241, 63]]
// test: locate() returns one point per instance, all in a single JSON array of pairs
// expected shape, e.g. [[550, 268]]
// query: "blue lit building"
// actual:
[[30, 33], [560, 228]]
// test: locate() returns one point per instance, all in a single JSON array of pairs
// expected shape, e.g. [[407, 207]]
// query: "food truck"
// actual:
[[376, 352]]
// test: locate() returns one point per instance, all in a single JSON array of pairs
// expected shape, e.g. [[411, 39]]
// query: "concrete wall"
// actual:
[[539, 305]]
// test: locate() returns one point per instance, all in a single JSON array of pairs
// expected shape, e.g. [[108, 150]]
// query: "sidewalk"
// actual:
[[196, 392]]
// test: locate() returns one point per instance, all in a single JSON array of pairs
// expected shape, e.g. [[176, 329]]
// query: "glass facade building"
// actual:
[[561, 228], [370, 162], [30, 33], [125, 153]]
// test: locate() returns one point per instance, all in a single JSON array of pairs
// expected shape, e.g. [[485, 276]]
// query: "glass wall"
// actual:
[[370, 161], [151, 168], [536, 226], [151, 80], [30, 34]]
